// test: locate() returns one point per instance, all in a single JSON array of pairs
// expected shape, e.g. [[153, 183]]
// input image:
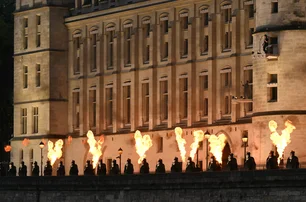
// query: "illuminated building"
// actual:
[[115, 67]]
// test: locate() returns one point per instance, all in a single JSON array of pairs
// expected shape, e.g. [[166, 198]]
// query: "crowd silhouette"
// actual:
[[176, 166]]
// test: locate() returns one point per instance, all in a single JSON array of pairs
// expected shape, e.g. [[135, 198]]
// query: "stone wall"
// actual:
[[283, 185]]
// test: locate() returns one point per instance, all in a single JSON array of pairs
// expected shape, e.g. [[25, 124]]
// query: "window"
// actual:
[[274, 7], [94, 52], [145, 102], [227, 15], [38, 21], [228, 40], [251, 11], [127, 104], [25, 22], [24, 121], [165, 51], [251, 31], [205, 44], [205, 110], [35, 120], [76, 110], [227, 79], [109, 106], [127, 45], [164, 100], [227, 105], [37, 77], [184, 98], [76, 43], [25, 77], [147, 29], [25, 34], [92, 108], [160, 145], [147, 55], [165, 26], [201, 145], [205, 82], [185, 48], [272, 88], [205, 19], [184, 21], [110, 49]]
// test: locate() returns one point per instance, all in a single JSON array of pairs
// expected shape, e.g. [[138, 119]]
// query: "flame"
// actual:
[[142, 144], [281, 141], [198, 137], [180, 142], [216, 144], [25, 142], [7, 148], [69, 140], [94, 147], [56, 152]]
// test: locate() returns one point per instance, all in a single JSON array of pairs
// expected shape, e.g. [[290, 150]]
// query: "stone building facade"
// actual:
[[115, 67]]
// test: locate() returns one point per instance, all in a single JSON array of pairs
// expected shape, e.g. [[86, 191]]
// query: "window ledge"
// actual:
[[127, 65], [249, 46], [205, 53], [184, 56], [226, 50], [271, 85], [271, 101]]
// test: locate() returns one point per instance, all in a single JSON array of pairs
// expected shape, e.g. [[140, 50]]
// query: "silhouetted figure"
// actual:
[[61, 169], [35, 169], [22, 169], [176, 166], [115, 168], [232, 163], [190, 167], [292, 161], [48, 169], [265, 44], [213, 165], [74, 171], [160, 167], [12, 170], [128, 168], [144, 169], [88, 170], [271, 162], [249, 163], [101, 170]]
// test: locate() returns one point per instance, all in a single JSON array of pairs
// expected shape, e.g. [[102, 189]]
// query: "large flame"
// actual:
[[216, 144], [56, 152], [281, 141], [94, 147], [142, 144], [180, 142], [198, 137]]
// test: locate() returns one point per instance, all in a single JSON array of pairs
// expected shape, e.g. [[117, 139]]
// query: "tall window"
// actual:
[[184, 21], [165, 26], [160, 144], [227, 79], [127, 104], [25, 77], [205, 44], [251, 31], [94, 52], [228, 40], [147, 28], [24, 121], [147, 54], [38, 21], [251, 11], [25, 34], [227, 105], [110, 48], [76, 110], [37, 77], [205, 107], [227, 12], [92, 108], [35, 119], [76, 43], [109, 106], [184, 98], [204, 95], [164, 100], [185, 48], [145, 102], [127, 45], [274, 7], [272, 88], [205, 19]]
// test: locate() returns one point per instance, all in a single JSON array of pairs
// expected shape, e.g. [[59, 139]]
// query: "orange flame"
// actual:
[[7, 148], [142, 144], [180, 142], [216, 144], [94, 147], [56, 152], [198, 137], [25, 142], [281, 141]]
